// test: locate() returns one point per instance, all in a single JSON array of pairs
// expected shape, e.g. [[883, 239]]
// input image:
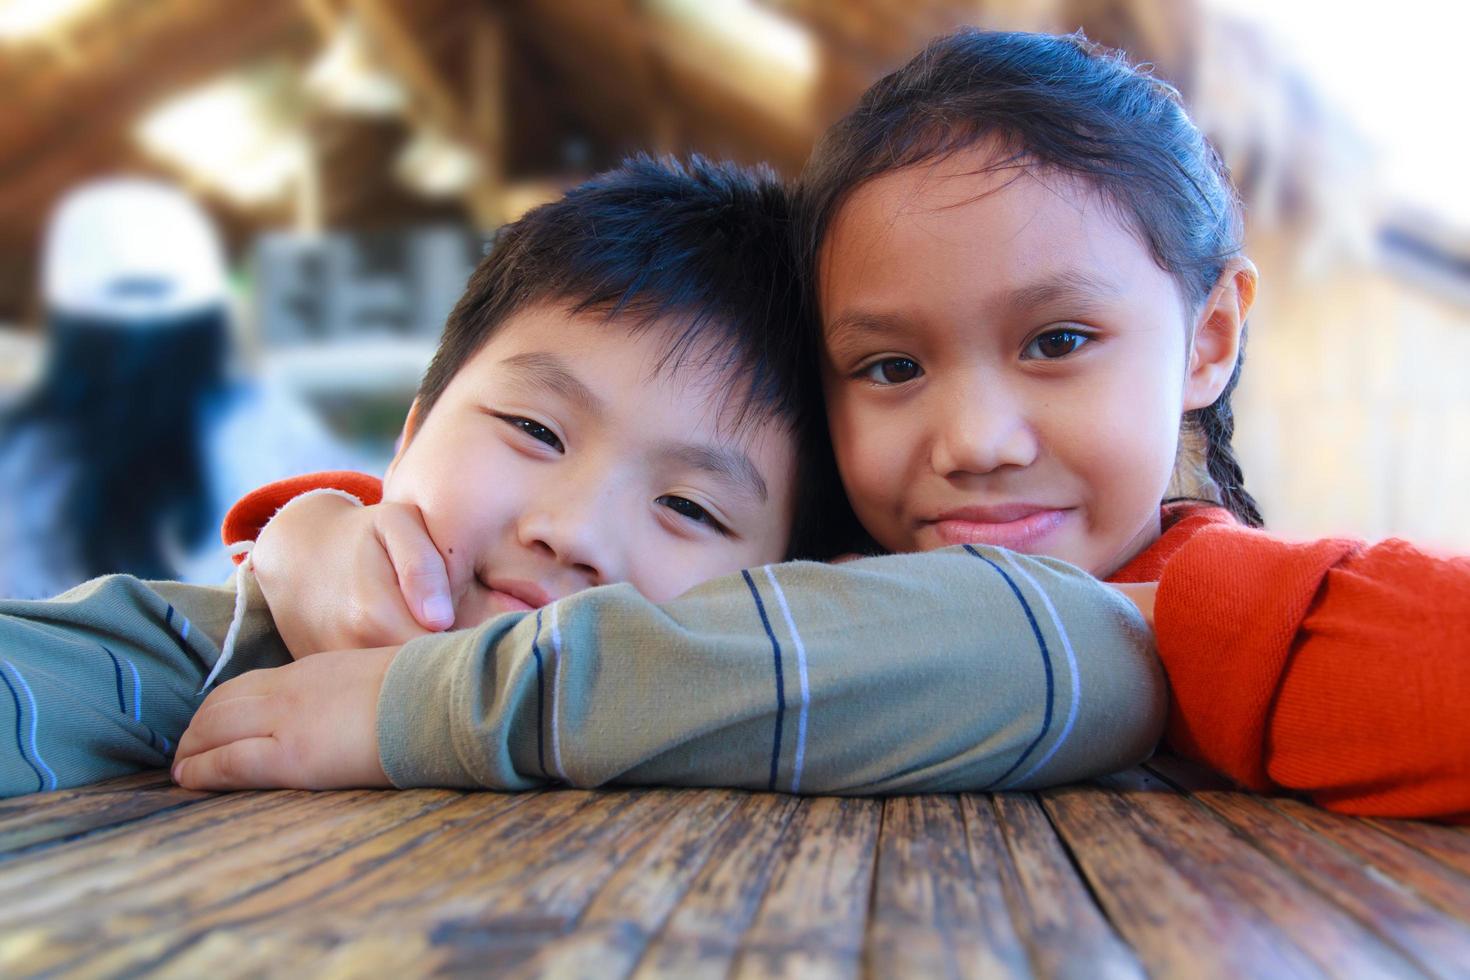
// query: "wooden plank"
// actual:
[[702, 936], [42, 818], [1443, 886], [133, 853], [1175, 881], [612, 932], [1065, 932], [935, 912], [456, 900], [1387, 886], [812, 920], [112, 905], [1449, 846], [442, 893]]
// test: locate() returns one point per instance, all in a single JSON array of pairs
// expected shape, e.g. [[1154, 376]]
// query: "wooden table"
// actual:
[[1159, 870]]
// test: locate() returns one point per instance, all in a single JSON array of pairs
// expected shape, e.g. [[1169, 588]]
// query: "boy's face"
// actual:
[[1005, 364], [560, 457]]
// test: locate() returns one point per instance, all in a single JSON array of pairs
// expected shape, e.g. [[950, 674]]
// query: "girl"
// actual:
[[1027, 266]]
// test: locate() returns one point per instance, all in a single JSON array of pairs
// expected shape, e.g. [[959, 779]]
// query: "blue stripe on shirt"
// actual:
[[19, 741], [1045, 661], [35, 721], [137, 692], [122, 705], [540, 698], [780, 679]]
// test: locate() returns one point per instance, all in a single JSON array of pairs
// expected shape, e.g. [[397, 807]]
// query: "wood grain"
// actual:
[[1164, 870]]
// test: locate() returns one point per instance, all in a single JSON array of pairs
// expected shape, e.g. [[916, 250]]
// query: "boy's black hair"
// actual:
[[1057, 102], [705, 245]]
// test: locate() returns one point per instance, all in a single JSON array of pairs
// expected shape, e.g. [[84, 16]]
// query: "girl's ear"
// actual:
[[1216, 343], [410, 425]]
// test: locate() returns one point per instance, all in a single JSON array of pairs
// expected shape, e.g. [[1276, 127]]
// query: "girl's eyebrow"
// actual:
[[1071, 285], [855, 324]]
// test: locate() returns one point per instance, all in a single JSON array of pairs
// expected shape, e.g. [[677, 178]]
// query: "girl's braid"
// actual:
[[1216, 423]]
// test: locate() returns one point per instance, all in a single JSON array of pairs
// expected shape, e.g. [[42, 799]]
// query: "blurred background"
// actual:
[[346, 159]]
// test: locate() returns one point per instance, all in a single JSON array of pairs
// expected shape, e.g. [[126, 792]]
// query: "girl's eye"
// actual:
[[687, 508], [535, 430], [892, 371], [1056, 343]]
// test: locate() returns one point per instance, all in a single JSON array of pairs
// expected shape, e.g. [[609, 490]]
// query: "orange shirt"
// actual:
[[1329, 668]]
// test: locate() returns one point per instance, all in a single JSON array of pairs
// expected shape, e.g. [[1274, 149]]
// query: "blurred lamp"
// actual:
[[33, 20], [755, 52], [436, 166], [231, 136], [346, 77]]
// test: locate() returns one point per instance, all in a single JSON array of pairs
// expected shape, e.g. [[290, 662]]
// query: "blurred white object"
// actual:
[[346, 76], [437, 166], [129, 248], [20, 362], [37, 20], [241, 135]]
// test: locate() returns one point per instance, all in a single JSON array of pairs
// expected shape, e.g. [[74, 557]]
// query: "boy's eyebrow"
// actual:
[[730, 465], [546, 370]]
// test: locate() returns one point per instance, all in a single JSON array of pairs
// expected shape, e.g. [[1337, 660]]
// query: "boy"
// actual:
[[617, 399]]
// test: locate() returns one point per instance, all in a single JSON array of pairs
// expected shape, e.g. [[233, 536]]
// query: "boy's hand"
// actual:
[[338, 576], [312, 724]]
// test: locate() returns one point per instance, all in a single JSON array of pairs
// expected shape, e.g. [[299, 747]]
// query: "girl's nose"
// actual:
[[980, 430]]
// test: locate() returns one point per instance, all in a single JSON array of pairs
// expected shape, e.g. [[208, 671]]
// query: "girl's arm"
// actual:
[[1330, 668]]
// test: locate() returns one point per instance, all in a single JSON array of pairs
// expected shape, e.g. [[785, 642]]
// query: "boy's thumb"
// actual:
[[423, 577]]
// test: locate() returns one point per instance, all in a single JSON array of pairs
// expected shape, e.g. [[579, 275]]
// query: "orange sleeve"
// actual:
[[251, 512], [1327, 668]]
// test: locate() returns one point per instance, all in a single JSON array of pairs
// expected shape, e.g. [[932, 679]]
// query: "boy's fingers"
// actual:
[[225, 721], [422, 576], [253, 763]]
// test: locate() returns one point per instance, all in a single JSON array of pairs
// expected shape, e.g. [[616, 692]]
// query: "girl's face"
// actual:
[[1006, 364]]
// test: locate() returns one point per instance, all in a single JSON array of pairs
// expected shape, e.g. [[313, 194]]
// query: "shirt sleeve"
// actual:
[[102, 680], [962, 669], [254, 510], [1329, 668]]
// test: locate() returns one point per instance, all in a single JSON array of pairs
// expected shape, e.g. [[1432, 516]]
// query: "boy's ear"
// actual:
[[410, 425], [1216, 343]]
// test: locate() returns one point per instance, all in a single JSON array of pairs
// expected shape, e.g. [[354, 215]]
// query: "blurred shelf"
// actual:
[[371, 368]]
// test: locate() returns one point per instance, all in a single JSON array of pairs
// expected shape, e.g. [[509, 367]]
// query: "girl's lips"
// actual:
[[1019, 528]]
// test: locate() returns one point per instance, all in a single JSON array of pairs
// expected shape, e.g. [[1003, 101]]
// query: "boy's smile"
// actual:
[[1005, 363], [565, 455]]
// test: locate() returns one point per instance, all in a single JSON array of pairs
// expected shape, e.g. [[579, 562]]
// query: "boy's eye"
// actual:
[[535, 430], [687, 508], [892, 371], [1056, 343]]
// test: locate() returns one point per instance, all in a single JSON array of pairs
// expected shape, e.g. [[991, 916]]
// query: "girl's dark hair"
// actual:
[[125, 405], [1064, 103]]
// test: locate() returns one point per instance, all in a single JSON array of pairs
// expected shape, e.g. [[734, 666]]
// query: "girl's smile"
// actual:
[[1019, 527]]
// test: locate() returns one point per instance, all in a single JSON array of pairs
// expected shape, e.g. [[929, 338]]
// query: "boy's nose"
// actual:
[[574, 536], [981, 431]]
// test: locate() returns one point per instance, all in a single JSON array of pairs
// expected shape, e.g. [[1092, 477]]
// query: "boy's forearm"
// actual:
[[956, 670], [103, 679]]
